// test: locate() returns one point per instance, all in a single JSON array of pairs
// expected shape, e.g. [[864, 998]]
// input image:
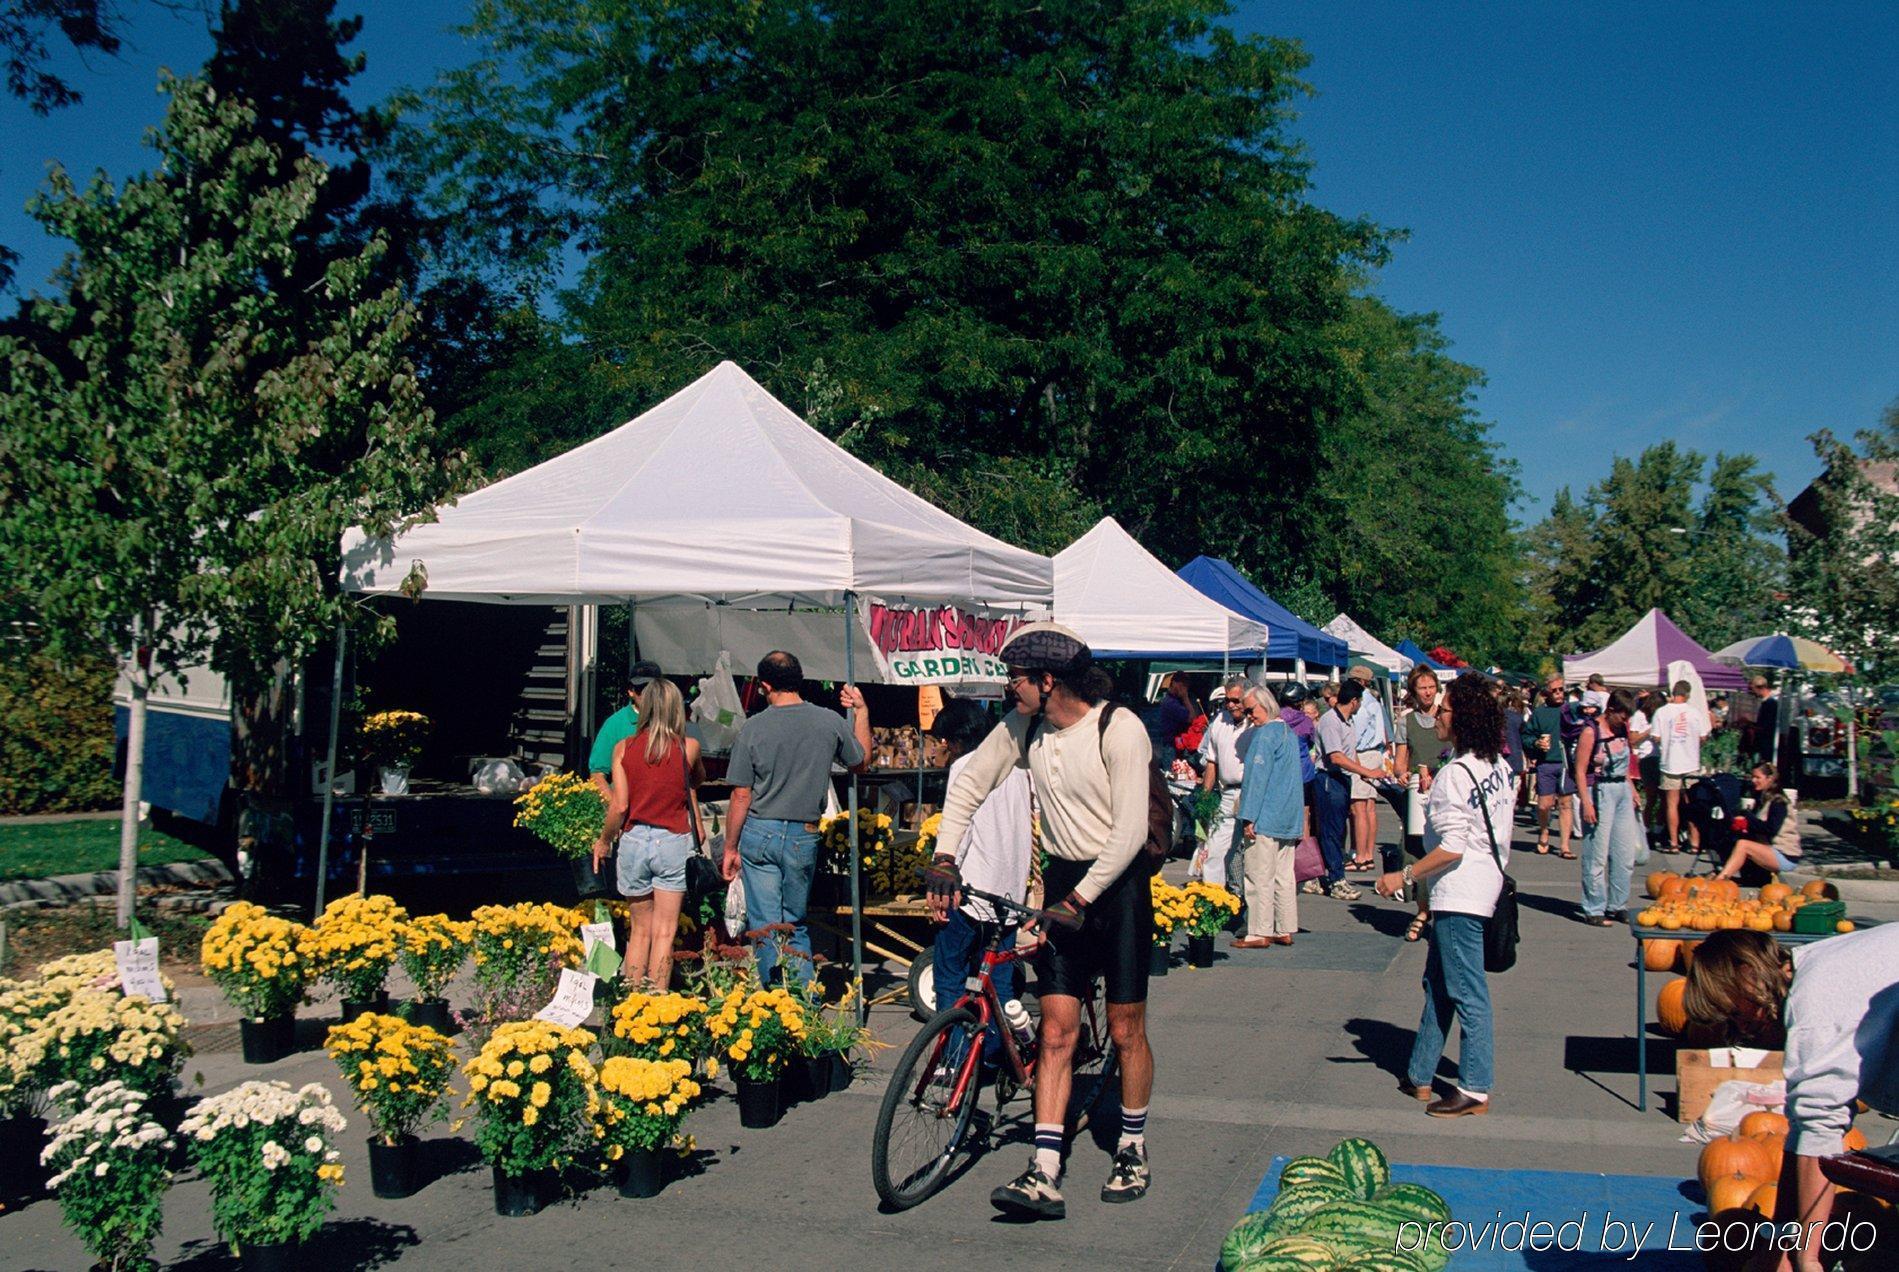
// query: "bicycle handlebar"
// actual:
[[1001, 903]]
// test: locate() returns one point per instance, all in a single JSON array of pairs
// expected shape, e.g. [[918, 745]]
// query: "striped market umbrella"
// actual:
[[1782, 650]]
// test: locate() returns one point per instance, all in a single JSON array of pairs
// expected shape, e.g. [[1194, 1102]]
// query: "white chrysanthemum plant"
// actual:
[[269, 1153], [110, 1172]]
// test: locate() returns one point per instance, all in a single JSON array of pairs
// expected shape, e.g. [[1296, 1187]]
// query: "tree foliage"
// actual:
[[1844, 572], [1071, 239]]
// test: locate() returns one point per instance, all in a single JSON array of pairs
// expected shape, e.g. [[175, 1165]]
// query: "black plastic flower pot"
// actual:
[[268, 1040], [272, 1256], [841, 1071], [1200, 951], [375, 1004], [642, 1172], [432, 1012], [527, 1194], [808, 1077], [757, 1103], [22, 1138], [589, 882], [393, 1169], [1159, 959]]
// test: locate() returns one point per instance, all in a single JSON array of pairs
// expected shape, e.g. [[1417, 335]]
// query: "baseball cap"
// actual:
[[642, 674], [1047, 646]]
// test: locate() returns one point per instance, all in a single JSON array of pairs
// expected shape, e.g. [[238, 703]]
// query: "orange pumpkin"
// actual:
[[1762, 1200], [1764, 1122], [1696, 886], [1855, 1140], [1687, 956], [1724, 890], [1660, 955], [1783, 922], [1656, 878], [1673, 888], [1775, 1142], [1732, 1155], [1669, 1009], [1775, 892], [1731, 1192], [1820, 890]]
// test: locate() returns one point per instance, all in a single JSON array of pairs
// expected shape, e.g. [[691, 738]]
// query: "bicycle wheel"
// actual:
[[923, 1124], [1096, 1063], [922, 986]]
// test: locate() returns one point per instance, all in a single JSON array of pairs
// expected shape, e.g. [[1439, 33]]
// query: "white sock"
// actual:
[[1048, 1148], [1133, 1126], [1482, 1097]]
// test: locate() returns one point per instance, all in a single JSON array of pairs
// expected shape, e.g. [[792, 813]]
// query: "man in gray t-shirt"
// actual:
[[780, 767]]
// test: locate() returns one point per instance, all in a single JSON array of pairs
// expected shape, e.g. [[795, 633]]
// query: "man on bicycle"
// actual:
[[1089, 776]]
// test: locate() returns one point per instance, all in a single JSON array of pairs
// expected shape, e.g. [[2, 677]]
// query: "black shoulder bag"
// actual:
[[703, 878], [1500, 929]]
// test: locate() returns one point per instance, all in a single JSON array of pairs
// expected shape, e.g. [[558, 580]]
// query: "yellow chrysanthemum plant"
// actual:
[[642, 1103], [535, 1095], [515, 942], [888, 868], [1211, 908], [391, 738], [564, 811], [659, 1027], [101, 1036], [758, 1031], [354, 943], [258, 959], [1172, 907], [433, 949], [399, 1072]]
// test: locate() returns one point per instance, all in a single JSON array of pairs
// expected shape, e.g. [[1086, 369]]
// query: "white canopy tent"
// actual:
[[720, 497], [1126, 604], [1366, 645]]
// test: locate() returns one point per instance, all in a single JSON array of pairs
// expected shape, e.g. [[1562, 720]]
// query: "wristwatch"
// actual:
[[1405, 874]]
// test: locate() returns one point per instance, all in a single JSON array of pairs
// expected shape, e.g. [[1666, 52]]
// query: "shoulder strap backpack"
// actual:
[[1500, 929], [1160, 801]]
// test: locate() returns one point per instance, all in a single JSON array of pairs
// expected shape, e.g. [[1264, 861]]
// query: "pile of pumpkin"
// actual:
[[1707, 904], [1342, 1212], [1740, 1175]]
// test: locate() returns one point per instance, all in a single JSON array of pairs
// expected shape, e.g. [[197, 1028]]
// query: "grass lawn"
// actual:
[[56, 848]]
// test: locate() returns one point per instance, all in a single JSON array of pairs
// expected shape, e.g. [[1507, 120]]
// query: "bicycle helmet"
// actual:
[[1292, 694], [1047, 647]]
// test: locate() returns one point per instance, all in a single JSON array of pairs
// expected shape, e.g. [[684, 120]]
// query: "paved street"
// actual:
[[1280, 1051]]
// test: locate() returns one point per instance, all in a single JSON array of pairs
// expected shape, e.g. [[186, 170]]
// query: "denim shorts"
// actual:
[[652, 857], [1784, 863]]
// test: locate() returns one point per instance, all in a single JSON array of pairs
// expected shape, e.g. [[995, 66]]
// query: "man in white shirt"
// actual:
[[1678, 731], [1222, 769], [1372, 737]]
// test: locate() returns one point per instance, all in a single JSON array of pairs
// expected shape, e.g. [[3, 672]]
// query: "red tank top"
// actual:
[[656, 792]]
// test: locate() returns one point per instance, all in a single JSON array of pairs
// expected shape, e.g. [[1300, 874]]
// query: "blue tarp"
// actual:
[[1287, 635]]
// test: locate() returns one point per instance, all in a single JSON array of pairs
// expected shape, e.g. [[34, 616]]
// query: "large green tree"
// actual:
[[1843, 536], [182, 440], [977, 242]]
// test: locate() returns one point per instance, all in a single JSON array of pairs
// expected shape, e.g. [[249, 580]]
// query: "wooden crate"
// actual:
[[1696, 1079]]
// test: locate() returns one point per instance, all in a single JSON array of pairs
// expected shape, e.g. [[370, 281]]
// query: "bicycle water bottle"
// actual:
[[1019, 1023]]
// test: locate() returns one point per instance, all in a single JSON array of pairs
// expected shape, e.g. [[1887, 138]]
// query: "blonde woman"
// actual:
[[650, 806]]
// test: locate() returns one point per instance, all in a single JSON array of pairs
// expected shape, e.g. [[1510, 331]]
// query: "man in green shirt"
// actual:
[[622, 724]]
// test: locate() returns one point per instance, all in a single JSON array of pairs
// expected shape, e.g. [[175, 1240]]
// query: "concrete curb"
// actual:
[[55, 819], [1881, 889], [65, 889]]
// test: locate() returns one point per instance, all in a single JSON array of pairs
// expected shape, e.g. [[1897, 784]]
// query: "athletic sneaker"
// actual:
[[1342, 891], [1034, 1194], [1128, 1178]]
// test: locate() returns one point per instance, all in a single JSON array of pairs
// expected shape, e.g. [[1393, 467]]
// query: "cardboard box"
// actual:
[[1696, 1077]]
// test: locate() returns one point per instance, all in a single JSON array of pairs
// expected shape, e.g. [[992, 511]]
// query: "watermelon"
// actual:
[[1386, 1261], [1292, 1254], [1360, 1225], [1249, 1236], [1415, 1198], [1363, 1165], [1311, 1170], [1293, 1205]]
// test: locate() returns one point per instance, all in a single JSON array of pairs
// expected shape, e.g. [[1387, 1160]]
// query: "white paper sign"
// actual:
[[138, 968], [573, 999], [601, 932]]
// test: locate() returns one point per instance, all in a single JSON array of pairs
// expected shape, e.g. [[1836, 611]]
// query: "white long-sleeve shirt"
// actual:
[[1842, 1018], [994, 854], [1090, 786]]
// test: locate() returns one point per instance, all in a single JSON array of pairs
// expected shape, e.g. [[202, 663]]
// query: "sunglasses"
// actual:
[[1234, 702]]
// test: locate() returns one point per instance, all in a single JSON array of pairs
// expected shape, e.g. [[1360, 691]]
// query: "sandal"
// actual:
[[1566, 855], [1416, 930], [1361, 867], [1542, 847]]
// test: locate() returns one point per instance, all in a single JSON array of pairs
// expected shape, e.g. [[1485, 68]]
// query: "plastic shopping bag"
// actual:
[[1731, 1102], [717, 713]]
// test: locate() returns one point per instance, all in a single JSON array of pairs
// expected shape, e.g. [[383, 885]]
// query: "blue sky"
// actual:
[[1643, 222]]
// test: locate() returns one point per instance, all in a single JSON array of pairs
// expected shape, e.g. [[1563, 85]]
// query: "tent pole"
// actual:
[[857, 884], [1299, 670], [329, 770]]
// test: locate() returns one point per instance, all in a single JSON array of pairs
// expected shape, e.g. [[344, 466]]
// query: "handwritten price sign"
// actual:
[[573, 999], [138, 968]]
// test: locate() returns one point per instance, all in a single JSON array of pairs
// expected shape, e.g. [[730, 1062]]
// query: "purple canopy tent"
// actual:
[[1640, 658]]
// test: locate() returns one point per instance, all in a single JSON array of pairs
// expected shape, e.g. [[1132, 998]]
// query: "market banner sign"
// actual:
[[940, 645]]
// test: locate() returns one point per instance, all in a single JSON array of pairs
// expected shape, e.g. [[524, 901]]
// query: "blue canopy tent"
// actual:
[[1409, 648], [1288, 635]]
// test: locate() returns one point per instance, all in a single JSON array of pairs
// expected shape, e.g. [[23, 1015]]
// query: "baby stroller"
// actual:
[[1713, 802]]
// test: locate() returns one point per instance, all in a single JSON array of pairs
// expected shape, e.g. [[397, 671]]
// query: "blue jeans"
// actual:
[[957, 955], [1454, 982], [1610, 849], [777, 860], [1332, 808]]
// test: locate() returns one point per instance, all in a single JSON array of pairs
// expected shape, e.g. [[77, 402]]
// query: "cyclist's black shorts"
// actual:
[[1116, 936]]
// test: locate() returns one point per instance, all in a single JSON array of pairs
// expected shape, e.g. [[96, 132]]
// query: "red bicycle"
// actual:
[[924, 1124]]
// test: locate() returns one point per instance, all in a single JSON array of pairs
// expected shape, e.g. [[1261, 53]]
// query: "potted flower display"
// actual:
[[758, 1031], [658, 1027], [352, 946], [257, 960], [519, 951], [392, 741], [886, 868], [534, 1092], [110, 1164], [832, 1033], [566, 812], [642, 1103], [102, 1036], [399, 1073], [1212, 908], [1171, 909], [433, 949], [267, 1152]]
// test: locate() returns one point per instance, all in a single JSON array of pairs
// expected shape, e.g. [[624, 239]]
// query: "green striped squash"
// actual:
[[1292, 1254], [1252, 1234], [1311, 1170], [1416, 1198], [1363, 1165]]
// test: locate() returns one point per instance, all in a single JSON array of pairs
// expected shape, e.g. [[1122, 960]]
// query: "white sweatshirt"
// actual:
[[1090, 787], [1842, 1018]]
